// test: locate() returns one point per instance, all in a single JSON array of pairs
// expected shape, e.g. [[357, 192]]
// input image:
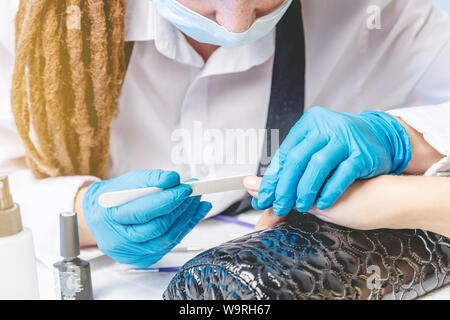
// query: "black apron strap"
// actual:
[[288, 88]]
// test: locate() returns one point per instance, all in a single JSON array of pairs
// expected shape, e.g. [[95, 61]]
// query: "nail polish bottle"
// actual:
[[72, 274]]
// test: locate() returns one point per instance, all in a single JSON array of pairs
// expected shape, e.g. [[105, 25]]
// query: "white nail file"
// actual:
[[118, 198]]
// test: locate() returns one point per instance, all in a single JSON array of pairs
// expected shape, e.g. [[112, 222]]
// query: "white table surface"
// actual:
[[113, 281]]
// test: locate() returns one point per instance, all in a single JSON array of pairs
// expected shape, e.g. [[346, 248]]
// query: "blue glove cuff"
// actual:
[[398, 138], [88, 202]]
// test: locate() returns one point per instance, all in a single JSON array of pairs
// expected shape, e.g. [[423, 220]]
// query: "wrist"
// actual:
[[423, 155], [427, 204], [86, 237], [410, 202], [392, 202]]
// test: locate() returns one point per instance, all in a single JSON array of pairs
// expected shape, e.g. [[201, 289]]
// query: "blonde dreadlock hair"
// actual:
[[69, 68]]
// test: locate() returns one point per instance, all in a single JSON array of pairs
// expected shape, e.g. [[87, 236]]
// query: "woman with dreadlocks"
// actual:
[[106, 95]]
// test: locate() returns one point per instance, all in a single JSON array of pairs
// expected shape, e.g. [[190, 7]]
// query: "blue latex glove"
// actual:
[[325, 142], [141, 232]]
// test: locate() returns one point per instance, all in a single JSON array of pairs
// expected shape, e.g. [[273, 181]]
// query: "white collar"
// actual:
[[143, 23]]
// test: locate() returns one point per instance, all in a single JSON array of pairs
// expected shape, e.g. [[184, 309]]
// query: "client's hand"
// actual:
[[269, 218], [365, 205]]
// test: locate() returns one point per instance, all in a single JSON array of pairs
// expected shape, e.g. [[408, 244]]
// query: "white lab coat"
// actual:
[[350, 67]]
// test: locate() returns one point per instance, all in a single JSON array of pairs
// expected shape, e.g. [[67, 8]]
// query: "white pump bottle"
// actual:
[[18, 277]]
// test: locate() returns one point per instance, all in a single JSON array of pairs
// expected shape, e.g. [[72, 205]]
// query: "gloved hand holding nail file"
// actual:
[[147, 212], [141, 232], [117, 198]]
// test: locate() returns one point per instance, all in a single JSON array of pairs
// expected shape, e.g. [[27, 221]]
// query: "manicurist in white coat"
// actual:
[[87, 123]]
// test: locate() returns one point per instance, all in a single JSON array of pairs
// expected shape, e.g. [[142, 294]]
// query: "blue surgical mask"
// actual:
[[205, 30]]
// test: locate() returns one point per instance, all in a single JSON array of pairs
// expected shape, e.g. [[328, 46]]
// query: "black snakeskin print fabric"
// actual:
[[310, 259]]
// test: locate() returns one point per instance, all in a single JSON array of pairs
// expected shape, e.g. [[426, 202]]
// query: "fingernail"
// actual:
[[252, 182], [254, 194]]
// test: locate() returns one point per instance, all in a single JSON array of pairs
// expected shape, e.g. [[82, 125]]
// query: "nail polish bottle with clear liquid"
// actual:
[[72, 274]]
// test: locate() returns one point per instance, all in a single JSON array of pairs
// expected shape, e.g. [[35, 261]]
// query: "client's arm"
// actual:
[[405, 202]]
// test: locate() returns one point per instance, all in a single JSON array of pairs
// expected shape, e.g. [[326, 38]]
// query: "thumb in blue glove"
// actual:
[[325, 152], [141, 232]]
